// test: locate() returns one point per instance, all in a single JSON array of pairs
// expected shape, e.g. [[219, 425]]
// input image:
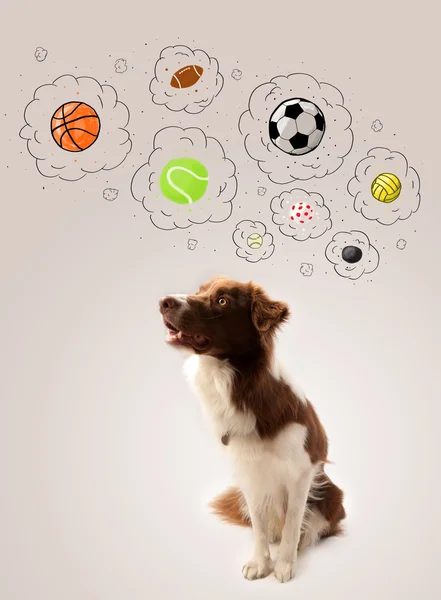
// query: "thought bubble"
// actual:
[[252, 241], [76, 126], [186, 181], [185, 79], [352, 254], [281, 167], [121, 65], [40, 54], [300, 214], [306, 269], [110, 194], [385, 188]]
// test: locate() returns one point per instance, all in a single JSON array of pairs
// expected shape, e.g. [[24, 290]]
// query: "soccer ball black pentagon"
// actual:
[[297, 126]]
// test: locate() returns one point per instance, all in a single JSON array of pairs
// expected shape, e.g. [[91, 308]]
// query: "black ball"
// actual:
[[351, 254]]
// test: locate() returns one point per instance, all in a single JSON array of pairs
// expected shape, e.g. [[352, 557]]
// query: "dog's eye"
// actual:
[[222, 301]]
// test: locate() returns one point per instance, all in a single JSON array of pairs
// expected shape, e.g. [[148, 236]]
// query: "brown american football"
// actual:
[[186, 77]]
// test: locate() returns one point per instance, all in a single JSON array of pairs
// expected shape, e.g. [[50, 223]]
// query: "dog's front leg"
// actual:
[[285, 567], [260, 565]]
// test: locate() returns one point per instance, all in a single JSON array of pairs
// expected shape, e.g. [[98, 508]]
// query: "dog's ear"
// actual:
[[267, 314]]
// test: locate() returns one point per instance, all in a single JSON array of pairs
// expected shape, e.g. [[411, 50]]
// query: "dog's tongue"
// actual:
[[198, 341]]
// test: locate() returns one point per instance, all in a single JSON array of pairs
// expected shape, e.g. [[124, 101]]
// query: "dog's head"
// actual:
[[225, 318]]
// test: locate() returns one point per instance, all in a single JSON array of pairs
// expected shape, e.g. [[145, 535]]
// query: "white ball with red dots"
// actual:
[[301, 212]]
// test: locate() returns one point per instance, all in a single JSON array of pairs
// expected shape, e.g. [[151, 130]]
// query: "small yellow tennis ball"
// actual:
[[386, 187], [254, 241]]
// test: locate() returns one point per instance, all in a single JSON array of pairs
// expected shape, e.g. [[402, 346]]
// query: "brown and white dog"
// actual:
[[270, 429]]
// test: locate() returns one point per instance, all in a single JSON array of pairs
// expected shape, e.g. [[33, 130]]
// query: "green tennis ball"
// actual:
[[254, 241], [184, 180]]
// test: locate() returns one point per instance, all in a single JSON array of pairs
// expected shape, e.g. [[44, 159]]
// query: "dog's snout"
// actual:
[[172, 302], [168, 303]]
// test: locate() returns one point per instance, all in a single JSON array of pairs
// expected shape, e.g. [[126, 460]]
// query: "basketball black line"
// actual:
[[61, 141], [77, 119], [72, 111], [77, 106], [73, 141], [83, 130], [64, 115]]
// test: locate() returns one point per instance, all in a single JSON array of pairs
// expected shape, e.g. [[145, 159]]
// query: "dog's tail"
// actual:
[[230, 506]]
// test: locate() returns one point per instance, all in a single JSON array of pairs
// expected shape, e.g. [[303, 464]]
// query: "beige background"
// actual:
[[105, 461]]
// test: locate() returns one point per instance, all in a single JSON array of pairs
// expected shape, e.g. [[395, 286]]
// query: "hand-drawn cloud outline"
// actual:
[[279, 166], [193, 99], [241, 234], [281, 209], [107, 152], [369, 261], [382, 160], [306, 269], [170, 143]]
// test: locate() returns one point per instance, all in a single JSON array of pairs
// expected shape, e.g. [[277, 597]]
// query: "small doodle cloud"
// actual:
[[261, 191], [191, 245], [40, 54], [278, 165], [300, 214], [236, 74], [110, 194], [107, 152], [214, 205], [253, 241], [306, 269], [121, 65], [193, 98], [401, 244], [352, 254], [377, 125], [381, 161]]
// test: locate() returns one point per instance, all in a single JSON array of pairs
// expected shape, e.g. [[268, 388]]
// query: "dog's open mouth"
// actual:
[[181, 338]]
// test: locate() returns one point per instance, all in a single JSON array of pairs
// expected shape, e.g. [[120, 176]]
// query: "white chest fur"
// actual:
[[211, 380], [263, 465]]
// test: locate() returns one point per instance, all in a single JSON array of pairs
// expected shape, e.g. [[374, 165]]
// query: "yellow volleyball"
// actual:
[[254, 241], [386, 187]]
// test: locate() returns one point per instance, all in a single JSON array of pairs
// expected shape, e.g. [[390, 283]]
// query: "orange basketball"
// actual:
[[75, 126]]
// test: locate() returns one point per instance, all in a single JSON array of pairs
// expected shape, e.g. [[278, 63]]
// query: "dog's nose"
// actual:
[[168, 303]]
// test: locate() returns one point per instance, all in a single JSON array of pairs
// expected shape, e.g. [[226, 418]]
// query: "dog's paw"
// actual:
[[257, 569], [285, 570]]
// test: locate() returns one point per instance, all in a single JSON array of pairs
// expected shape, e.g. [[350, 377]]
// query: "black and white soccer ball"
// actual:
[[297, 126]]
